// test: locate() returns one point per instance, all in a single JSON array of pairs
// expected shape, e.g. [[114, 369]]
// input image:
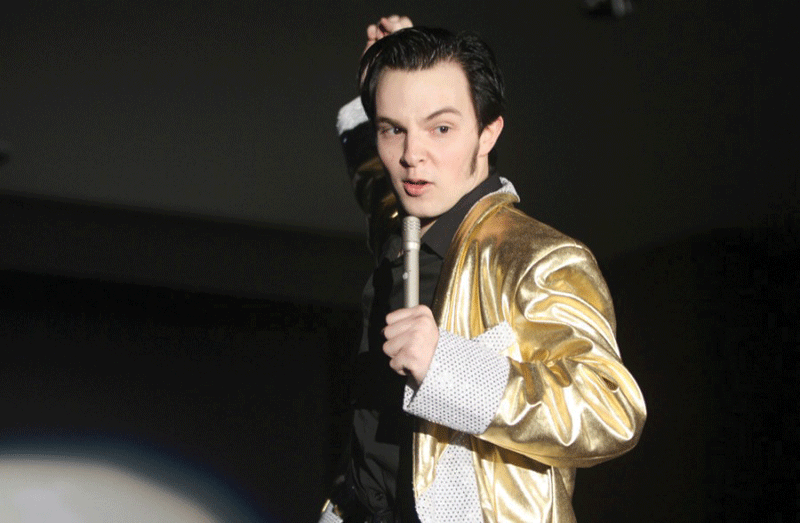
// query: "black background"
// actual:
[[181, 261]]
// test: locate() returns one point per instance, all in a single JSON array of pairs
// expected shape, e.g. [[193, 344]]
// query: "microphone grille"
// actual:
[[411, 228]]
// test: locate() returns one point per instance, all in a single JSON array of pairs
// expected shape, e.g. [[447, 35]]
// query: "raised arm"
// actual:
[[370, 185]]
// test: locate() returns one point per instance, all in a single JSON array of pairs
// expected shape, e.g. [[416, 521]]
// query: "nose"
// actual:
[[412, 151]]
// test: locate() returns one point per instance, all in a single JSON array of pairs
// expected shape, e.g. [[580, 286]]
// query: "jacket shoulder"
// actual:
[[502, 224]]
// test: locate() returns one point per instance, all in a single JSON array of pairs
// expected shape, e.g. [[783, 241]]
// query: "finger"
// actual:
[[410, 334], [384, 26], [405, 363], [412, 350], [414, 320], [393, 23], [392, 348], [408, 312], [389, 21], [399, 336], [372, 32], [403, 23], [402, 342], [396, 365], [399, 315], [400, 326]]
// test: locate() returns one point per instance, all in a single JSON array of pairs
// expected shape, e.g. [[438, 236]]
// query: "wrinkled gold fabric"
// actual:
[[374, 195], [569, 401]]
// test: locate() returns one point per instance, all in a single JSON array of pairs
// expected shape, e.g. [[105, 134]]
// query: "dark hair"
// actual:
[[417, 48]]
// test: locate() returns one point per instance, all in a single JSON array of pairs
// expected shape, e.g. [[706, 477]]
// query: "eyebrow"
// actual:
[[444, 110], [432, 116]]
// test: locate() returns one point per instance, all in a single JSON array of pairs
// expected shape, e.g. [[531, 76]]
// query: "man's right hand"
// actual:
[[386, 26]]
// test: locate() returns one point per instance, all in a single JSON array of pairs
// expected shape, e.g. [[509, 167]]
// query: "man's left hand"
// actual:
[[411, 339]]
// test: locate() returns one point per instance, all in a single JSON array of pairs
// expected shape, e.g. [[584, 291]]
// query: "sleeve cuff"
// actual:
[[328, 515], [465, 382], [350, 116]]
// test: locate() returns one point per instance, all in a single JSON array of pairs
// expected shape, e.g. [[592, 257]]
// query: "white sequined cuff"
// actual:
[[350, 115], [328, 516], [465, 381]]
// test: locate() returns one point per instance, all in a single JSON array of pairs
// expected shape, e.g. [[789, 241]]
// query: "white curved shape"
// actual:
[[47, 490]]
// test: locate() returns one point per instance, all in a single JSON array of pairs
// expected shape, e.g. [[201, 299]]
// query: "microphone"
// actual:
[[411, 260]]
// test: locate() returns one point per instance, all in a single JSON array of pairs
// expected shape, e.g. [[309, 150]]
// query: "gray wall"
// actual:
[[622, 133]]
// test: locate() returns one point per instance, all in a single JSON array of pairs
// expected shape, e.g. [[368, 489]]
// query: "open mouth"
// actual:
[[415, 188]]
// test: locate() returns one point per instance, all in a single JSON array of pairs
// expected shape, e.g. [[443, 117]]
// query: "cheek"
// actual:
[[459, 158], [391, 162], [388, 154]]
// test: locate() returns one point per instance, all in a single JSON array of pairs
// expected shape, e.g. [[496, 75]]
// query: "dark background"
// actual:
[[181, 260]]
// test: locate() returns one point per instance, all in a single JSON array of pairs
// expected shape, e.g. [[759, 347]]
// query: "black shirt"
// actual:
[[382, 432]]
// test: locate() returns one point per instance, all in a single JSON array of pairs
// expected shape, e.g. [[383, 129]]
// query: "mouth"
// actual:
[[415, 187]]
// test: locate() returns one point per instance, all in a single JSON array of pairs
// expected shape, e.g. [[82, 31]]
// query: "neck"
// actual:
[[425, 224]]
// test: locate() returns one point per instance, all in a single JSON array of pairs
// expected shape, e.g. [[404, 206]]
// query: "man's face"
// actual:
[[428, 138]]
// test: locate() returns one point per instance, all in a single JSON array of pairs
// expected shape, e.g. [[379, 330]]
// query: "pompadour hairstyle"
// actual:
[[417, 48]]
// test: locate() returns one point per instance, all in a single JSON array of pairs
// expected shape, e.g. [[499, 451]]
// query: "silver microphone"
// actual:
[[411, 260]]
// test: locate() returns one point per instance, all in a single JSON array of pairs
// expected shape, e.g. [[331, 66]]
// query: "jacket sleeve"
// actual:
[[548, 382], [368, 178]]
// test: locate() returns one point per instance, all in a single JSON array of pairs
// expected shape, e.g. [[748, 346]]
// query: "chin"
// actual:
[[421, 213]]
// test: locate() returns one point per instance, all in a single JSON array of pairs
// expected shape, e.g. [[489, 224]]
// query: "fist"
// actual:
[[386, 26], [411, 339]]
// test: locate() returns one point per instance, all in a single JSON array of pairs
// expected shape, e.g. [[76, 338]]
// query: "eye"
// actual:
[[391, 131], [443, 129]]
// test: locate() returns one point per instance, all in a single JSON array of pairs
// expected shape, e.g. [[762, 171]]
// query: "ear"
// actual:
[[489, 136]]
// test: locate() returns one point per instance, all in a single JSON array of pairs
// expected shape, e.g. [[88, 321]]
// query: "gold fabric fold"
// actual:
[[569, 401]]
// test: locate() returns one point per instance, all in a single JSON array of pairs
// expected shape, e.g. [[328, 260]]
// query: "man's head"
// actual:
[[436, 102], [418, 48]]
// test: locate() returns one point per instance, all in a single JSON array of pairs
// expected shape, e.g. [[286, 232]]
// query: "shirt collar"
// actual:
[[440, 234]]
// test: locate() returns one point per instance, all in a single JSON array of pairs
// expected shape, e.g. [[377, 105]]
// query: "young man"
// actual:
[[479, 404]]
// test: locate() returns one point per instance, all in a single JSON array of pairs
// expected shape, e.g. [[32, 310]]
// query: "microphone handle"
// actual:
[[411, 244]]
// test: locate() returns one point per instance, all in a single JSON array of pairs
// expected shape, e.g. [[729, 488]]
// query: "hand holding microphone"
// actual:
[[411, 332]]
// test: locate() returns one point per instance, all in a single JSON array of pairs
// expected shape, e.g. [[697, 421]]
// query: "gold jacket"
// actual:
[[568, 402]]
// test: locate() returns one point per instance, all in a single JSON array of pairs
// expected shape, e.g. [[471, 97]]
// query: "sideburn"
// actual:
[[474, 165]]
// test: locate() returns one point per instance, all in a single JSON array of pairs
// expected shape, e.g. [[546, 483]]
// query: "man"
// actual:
[[479, 404]]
